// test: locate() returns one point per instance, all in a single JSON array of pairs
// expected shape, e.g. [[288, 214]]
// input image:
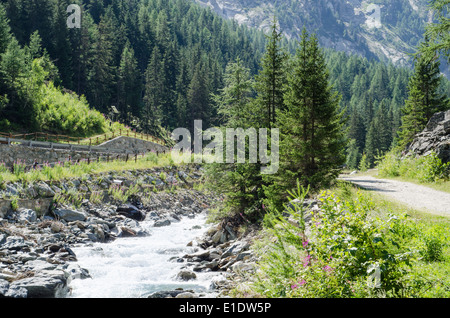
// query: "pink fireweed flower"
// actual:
[[305, 243], [300, 284], [306, 260], [327, 268]]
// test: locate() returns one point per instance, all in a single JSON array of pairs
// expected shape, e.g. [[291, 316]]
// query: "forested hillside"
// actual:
[[160, 63], [150, 59], [387, 30]]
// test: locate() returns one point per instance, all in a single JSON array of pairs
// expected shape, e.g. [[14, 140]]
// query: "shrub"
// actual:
[[424, 169], [347, 254], [364, 163]]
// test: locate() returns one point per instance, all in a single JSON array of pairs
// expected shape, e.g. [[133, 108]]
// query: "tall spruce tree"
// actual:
[[240, 183], [271, 79], [424, 98], [312, 143], [439, 31], [129, 85]]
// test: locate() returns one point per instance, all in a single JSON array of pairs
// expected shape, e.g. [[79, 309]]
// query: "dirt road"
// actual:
[[415, 196]]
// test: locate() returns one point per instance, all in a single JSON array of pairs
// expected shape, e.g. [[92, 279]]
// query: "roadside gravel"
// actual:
[[413, 195]]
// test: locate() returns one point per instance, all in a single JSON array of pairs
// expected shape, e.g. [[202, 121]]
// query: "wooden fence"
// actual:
[[92, 141]]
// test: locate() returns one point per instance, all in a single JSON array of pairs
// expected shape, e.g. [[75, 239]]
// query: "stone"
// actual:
[[15, 243], [130, 211], [74, 271], [27, 216], [44, 190], [235, 249], [186, 275], [435, 137], [162, 222], [168, 293], [70, 215], [12, 191], [243, 268], [47, 284], [186, 295], [11, 292]]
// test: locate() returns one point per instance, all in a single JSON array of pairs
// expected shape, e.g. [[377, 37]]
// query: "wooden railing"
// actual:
[[92, 141]]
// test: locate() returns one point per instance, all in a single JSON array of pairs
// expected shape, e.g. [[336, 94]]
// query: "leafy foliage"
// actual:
[[345, 253]]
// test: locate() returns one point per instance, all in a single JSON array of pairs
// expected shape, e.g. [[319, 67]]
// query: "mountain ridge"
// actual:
[[387, 31]]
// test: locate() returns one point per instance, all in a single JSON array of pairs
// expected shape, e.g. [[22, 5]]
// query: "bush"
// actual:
[[68, 114], [424, 169], [347, 254]]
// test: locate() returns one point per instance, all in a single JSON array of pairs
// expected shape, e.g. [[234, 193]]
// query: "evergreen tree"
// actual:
[[198, 98], [154, 81], [312, 142], [101, 78], [5, 31], [272, 77], [233, 100], [439, 32], [129, 85], [424, 99], [379, 135]]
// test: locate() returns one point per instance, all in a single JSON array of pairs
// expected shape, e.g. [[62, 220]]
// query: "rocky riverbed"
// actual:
[[37, 258]]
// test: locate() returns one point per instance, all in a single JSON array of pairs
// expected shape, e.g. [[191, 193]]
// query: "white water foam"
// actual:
[[139, 266]]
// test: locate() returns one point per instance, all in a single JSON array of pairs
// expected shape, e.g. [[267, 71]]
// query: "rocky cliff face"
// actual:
[[435, 137], [388, 30]]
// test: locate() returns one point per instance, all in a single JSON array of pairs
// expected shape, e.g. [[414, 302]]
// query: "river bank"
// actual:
[[39, 249]]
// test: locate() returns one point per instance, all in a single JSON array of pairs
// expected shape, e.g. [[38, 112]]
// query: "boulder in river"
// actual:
[[131, 211]]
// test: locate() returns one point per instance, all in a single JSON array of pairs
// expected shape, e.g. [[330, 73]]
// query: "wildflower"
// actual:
[[306, 260], [302, 282], [327, 268], [305, 243]]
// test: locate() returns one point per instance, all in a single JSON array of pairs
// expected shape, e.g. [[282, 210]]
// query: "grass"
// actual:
[[67, 171], [422, 236], [112, 130], [432, 267]]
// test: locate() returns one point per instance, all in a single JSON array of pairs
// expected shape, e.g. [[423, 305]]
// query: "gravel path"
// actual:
[[415, 196]]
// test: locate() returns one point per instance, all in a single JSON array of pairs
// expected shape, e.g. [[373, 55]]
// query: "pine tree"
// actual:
[[312, 143], [101, 78], [424, 99], [129, 85], [233, 100], [439, 31], [154, 81], [5, 30], [198, 98], [272, 77]]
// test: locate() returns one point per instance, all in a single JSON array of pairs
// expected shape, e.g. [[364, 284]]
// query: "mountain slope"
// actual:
[[387, 30]]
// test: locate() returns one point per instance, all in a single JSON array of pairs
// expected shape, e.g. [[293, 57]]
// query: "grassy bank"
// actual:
[[428, 170], [66, 171], [359, 246]]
